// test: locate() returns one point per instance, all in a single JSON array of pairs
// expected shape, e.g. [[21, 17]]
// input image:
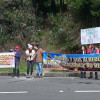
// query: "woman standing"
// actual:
[[83, 51], [30, 53]]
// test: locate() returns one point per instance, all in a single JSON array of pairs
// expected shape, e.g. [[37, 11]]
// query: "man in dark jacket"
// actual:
[[17, 61]]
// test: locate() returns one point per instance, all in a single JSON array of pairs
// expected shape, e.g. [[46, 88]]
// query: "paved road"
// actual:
[[49, 89]]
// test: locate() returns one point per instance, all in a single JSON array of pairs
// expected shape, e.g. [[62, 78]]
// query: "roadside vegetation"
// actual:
[[53, 24]]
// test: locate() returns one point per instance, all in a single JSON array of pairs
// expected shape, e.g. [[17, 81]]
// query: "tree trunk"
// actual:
[[53, 5], [61, 5], [34, 3], [63, 2]]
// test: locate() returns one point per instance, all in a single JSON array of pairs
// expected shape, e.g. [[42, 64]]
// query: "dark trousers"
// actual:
[[16, 68], [96, 75], [30, 64], [83, 74]]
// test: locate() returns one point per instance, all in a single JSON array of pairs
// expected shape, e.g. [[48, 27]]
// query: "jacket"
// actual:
[[93, 51], [81, 52], [17, 56], [30, 56], [39, 56]]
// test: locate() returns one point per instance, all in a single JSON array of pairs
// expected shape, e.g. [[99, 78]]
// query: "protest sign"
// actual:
[[90, 35], [7, 60], [63, 61]]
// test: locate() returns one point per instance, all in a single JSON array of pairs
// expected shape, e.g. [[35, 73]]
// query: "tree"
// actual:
[[53, 6], [83, 9], [61, 5]]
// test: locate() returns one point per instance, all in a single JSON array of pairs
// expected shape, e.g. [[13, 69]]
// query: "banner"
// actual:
[[7, 60], [87, 62], [90, 35]]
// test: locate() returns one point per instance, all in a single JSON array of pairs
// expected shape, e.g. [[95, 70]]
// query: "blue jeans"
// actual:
[[39, 68]]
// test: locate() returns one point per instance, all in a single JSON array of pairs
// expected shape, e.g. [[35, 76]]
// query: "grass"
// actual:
[[22, 68], [57, 70]]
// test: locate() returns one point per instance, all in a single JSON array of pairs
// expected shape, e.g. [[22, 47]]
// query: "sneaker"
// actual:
[[40, 76], [27, 76], [90, 77], [17, 75], [84, 76], [37, 76], [96, 78], [32, 75], [13, 75]]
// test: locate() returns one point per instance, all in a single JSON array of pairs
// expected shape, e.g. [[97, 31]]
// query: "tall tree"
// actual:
[[53, 6], [61, 5]]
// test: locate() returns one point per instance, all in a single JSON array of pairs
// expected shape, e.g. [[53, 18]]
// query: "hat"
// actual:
[[17, 47], [30, 46]]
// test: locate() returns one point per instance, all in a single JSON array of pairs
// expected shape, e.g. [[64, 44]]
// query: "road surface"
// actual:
[[62, 88]]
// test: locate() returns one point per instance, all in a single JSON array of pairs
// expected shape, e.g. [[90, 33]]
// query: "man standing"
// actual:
[[17, 61], [39, 60], [93, 50]]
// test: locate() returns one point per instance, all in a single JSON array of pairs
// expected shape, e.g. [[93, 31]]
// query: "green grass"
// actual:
[[6, 69], [57, 70], [22, 68]]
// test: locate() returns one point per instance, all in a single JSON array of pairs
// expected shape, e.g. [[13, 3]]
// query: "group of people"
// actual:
[[91, 50], [34, 55]]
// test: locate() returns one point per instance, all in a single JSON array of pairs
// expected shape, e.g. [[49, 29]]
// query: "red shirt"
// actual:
[[88, 51]]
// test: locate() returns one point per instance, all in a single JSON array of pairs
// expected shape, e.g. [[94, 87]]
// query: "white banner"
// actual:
[[90, 35], [7, 60]]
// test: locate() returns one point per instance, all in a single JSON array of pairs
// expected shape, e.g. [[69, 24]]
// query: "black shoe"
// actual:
[[37, 76], [96, 78], [17, 75], [40, 76], [28, 76], [81, 77], [90, 77], [13, 75], [84, 76]]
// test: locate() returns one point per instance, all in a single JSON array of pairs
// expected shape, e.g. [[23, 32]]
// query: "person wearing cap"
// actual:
[[17, 61], [93, 50], [39, 60], [30, 53]]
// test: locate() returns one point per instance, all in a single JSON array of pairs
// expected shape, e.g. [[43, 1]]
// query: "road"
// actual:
[[62, 88]]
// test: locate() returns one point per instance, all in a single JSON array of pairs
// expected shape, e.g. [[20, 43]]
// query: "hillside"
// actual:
[[53, 24]]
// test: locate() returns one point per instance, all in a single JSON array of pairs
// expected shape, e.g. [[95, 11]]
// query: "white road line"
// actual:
[[18, 92], [88, 91], [61, 91]]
